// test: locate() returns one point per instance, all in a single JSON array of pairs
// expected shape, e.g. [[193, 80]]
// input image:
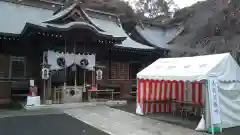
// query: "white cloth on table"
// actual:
[[33, 101]]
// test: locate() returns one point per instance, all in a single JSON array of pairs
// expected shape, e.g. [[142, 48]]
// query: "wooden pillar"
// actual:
[[94, 78], [49, 89]]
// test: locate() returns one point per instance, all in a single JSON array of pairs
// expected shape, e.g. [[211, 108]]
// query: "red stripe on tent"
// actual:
[[165, 95], [155, 95], [182, 90], [160, 95], [144, 95], [170, 96], [139, 91], [194, 92], [149, 95], [200, 93], [176, 88]]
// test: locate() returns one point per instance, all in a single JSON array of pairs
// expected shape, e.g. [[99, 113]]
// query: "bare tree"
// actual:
[[153, 8], [118, 7]]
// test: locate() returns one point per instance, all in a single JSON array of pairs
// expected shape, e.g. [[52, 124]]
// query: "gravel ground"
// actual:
[[51, 124]]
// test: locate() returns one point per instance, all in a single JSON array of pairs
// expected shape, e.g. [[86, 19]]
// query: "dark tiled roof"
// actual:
[[36, 3], [15, 16]]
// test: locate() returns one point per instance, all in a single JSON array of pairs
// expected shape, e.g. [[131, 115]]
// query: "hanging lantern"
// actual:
[[45, 73], [99, 74]]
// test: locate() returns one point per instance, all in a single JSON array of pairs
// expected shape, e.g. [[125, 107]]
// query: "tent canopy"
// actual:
[[222, 67]]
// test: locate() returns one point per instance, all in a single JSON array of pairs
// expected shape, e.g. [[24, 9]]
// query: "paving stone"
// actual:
[[117, 122]]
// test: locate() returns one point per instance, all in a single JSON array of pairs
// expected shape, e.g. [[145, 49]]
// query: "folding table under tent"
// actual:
[[170, 77]]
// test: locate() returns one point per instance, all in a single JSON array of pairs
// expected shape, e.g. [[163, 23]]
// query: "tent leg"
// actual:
[[207, 107]]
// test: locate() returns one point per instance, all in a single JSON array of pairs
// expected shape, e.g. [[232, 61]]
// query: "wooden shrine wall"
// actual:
[[115, 74], [15, 73], [5, 86]]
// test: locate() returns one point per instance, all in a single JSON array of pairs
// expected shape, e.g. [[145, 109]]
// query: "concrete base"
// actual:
[[76, 105], [48, 102], [127, 97]]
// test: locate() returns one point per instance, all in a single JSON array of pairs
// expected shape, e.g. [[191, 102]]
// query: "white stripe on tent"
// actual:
[[147, 91], [152, 96]]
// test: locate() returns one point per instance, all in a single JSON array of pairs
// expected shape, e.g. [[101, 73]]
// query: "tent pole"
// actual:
[[137, 90], [208, 110], [206, 104]]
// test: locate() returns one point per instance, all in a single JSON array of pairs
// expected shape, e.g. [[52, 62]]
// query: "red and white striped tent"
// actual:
[[184, 79]]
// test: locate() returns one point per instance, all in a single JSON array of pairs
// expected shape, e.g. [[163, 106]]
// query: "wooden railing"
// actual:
[[59, 97]]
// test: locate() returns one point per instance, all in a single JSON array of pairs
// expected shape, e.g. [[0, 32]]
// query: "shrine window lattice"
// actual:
[[18, 67], [123, 70], [118, 70]]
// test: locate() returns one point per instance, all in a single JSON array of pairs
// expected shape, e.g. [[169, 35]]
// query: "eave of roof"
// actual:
[[115, 28], [70, 26]]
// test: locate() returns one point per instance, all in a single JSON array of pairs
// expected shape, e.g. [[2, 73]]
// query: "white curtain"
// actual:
[[229, 102], [69, 59]]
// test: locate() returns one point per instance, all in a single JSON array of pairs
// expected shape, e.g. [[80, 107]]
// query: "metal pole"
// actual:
[[75, 75], [207, 110], [84, 80], [138, 90], [50, 87], [84, 74], [44, 83], [93, 85], [112, 94], [44, 91], [210, 108], [65, 66]]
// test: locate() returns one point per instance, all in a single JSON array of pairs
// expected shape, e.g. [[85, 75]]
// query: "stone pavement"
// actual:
[[117, 122], [16, 113], [48, 124]]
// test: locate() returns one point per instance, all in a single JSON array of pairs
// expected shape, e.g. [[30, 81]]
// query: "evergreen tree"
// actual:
[[153, 8]]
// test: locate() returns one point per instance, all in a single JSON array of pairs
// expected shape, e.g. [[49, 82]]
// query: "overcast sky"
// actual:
[[180, 3], [185, 3]]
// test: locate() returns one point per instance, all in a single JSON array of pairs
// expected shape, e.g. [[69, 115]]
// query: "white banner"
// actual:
[[214, 102], [70, 59]]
